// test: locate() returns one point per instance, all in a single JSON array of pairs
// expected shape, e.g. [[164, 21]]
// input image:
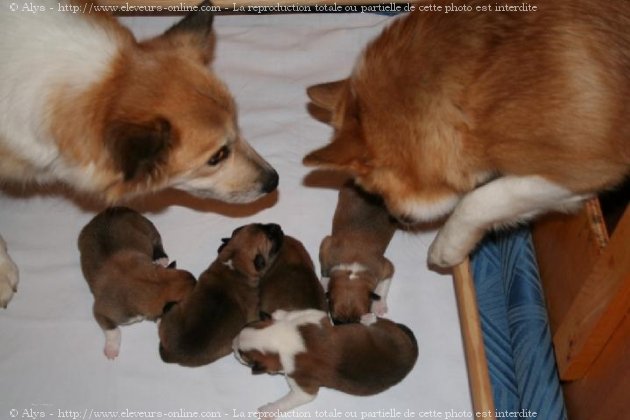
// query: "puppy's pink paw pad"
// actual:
[[112, 343], [380, 308], [267, 411], [161, 261], [111, 353], [369, 319]]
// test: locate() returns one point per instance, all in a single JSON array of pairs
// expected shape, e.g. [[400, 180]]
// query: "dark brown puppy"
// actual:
[[124, 263], [200, 329], [352, 257], [359, 359], [291, 282]]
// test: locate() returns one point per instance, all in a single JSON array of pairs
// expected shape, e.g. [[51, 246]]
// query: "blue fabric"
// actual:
[[515, 327]]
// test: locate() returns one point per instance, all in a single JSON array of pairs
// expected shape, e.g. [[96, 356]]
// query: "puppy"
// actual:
[[360, 358], [291, 283], [124, 263], [85, 104], [494, 117], [352, 257], [200, 329]]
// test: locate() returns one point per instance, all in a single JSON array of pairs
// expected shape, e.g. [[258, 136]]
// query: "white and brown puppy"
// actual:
[[352, 257], [359, 359], [200, 329], [85, 104], [488, 118], [124, 263], [291, 282]]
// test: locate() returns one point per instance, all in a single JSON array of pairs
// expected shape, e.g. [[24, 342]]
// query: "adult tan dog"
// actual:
[[83, 103], [493, 116]]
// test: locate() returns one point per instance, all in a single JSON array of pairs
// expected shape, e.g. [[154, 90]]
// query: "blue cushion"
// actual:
[[515, 327]]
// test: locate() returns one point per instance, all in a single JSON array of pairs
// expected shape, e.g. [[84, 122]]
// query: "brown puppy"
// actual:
[[200, 329], [352, 257], [496, 116], [360, 358], [291, 282], [124, 263]]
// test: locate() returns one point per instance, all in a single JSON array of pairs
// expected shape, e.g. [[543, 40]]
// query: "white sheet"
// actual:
[[51, 358]]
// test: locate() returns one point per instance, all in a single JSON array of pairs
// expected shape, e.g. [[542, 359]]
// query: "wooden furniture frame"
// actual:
[[478, 375], [585, 272]]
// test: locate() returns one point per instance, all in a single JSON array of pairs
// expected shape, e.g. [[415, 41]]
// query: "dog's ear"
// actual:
[[346, 152], [224, 242], [138, 149], [195, 30], [326, 95]]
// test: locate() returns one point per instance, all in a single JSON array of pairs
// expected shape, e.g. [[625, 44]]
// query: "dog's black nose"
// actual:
[[271, 183]]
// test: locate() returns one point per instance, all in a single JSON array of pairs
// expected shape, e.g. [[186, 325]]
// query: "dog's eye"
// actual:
[[220, 155], [374, 296], [259, 262]]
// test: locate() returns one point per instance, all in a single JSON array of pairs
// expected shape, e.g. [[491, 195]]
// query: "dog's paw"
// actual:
[[9, 277], [368, 319], [268, 411], [111, 352], [379, 307], [112, 343], [161, 262], [446, 251]]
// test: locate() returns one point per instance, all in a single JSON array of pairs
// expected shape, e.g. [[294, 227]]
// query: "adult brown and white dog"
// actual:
[[124, 263], [200, 329], [352, 257], [360, 359], [491, 116], [85, 104]]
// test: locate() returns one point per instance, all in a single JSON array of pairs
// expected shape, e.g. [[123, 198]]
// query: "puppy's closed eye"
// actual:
[[168, 306], [258, 368]]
